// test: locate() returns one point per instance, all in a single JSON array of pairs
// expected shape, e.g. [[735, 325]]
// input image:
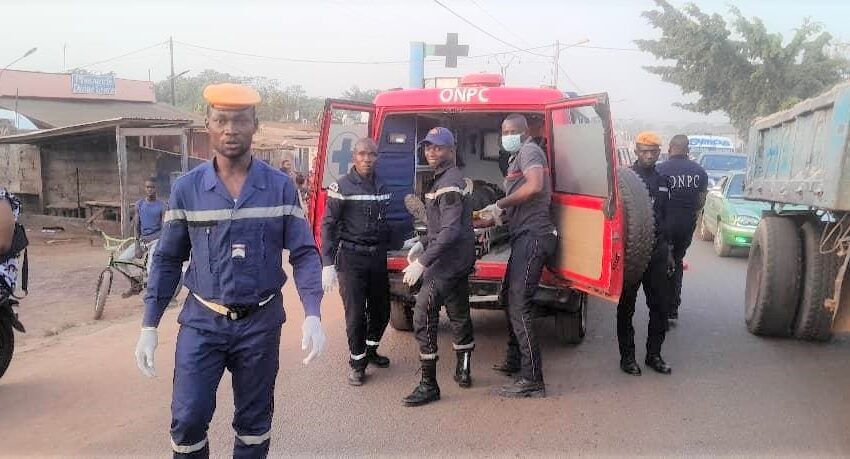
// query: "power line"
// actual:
[[567, 76], [122, 55], [483, 30], [495, 19], [293, 59]]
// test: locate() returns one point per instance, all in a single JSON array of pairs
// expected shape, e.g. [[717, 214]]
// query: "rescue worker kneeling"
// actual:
[[444, 262], [656, 278], [354, 245]]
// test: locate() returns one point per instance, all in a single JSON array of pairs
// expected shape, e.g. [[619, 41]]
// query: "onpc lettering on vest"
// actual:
[[464, 95], [684, 181]]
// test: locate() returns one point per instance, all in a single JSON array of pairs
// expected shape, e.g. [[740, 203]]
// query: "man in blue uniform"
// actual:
[[148, 224], [444, 262], [528, 189], [688, 183], [236, 215], [354, 245], [655, 279]]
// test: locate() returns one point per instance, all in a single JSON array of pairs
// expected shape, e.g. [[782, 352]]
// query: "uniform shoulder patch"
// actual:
[[334, 187]]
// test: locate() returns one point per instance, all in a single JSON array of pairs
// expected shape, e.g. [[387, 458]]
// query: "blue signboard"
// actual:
[[93, 84]]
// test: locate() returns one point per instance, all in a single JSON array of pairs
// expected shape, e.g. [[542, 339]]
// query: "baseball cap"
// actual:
[[439, 136]]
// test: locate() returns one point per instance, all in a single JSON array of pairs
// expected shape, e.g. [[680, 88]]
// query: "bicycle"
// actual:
[[104, 282]]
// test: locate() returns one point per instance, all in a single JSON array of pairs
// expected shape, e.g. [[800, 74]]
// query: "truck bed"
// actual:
[[799, 156]]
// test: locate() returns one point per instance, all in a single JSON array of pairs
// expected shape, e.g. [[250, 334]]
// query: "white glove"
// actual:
[[312, 336], [409, 243], [329, 280], [412, 273], [415, 252], [492, 212], [144, 351]]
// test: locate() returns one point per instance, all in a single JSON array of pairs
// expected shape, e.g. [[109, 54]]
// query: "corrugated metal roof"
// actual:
[[53, 113], [87, 128]]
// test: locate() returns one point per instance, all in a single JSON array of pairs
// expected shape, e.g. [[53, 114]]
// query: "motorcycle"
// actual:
[[8, 322]]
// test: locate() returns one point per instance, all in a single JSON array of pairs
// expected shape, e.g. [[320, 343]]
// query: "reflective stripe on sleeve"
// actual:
[[234, 214], [444, 190], [463, 347], [358, 197]]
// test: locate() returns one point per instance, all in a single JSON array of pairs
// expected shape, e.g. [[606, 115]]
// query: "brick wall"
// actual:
[[20, 169]]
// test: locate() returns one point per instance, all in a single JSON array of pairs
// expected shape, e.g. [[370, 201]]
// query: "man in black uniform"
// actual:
[[354, 247], [444, 262], [528, 189], [655, 279], [688, 185]]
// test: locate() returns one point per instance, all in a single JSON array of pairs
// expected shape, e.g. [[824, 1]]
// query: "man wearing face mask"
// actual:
[[655, 279], [354, 244], [528, 189], [444, 262]]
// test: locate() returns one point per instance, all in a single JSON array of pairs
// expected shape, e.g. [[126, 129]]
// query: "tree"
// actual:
[[740, 69], [279, 103], [355, 93]]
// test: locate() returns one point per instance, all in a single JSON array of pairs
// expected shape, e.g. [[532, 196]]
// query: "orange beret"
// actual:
[[229, 96], [648, 138]]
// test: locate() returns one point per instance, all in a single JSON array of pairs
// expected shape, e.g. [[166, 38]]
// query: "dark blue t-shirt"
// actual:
[[686, 181], [150, 218]]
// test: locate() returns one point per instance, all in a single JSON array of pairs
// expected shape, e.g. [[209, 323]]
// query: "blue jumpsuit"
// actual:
[[235, 247]]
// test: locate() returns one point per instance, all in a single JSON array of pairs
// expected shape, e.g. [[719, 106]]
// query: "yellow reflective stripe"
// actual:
[[234, 214], [252, 440], [188, 449]]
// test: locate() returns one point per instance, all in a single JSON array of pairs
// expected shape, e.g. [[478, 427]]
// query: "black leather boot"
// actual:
[[463, 372], [522, 388], [376, 359], [358, 371], [427, 391], [658, 364], [510, 365], [629, 365]]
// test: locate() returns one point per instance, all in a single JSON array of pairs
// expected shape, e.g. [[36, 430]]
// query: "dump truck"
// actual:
[[799, 162]]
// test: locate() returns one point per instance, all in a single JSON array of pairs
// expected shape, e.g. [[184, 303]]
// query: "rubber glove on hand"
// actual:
[[415, 252], [492, 212], [312, 337], [329, 279], [412, 273], [145, 348], [408, 243]]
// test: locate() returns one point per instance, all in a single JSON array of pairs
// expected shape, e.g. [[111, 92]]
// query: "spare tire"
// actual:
[[773, 277], [638, 224], [814, 321]]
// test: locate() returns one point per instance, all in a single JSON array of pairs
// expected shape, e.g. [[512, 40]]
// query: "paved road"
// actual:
[[730, 392]]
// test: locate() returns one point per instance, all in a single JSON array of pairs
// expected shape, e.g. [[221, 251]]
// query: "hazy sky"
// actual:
[[378, 30]]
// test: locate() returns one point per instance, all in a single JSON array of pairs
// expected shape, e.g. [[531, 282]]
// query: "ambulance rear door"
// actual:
[[583, 162]]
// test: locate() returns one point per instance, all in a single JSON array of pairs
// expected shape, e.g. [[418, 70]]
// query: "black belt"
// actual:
[[359, 247], [234, 311]]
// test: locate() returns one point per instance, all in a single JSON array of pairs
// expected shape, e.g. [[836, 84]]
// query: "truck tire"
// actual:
[[401, 315], [814, 321], [639, 224], [572, 326], [773, 278]]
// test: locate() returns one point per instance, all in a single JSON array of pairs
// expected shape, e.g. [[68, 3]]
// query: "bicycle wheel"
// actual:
[[104, 285]]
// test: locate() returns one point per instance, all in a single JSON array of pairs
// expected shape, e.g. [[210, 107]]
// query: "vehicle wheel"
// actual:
[[814, 321], [639, 224], [401, 315], [572, 326], [7, 344], [773, 277], [104, 285], [721, 247], [703, 232]]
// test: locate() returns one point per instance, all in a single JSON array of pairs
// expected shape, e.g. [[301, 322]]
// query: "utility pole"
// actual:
[[555, 66], [171, 50]]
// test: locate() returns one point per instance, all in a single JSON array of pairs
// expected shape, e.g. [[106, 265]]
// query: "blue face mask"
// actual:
[[511, 143]]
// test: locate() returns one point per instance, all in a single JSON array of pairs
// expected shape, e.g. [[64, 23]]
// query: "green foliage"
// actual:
[[740, 68], [355, 93], [279, 103]]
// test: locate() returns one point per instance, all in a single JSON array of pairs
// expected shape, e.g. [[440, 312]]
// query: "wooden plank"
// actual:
[[184, 153], [138, 132], [121, 152]]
